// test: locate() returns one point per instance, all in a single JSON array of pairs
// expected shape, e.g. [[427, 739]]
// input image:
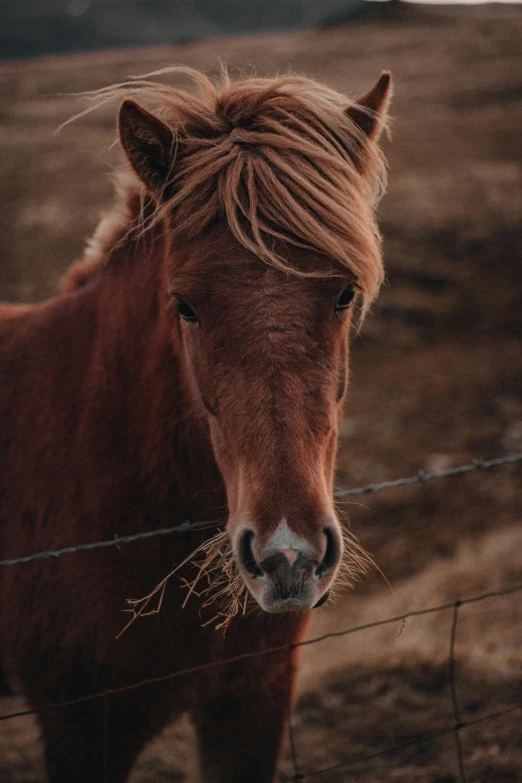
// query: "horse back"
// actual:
[[44, 352]]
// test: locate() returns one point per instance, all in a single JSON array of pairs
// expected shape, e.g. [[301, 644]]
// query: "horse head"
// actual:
[[267, 190]]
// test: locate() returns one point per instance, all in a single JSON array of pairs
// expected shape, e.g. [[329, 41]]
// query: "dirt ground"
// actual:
[[436, 379]]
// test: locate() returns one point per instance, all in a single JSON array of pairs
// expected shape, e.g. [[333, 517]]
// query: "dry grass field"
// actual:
[[436, 377]]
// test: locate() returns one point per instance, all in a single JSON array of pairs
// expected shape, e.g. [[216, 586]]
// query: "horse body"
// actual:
[[118, 417], [83, 464]]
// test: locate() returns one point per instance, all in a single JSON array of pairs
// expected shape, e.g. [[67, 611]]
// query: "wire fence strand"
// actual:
[[293, 751], [413, 741], [185, 527], [263, 651], [456, 728], [453, 691], [420, 477]]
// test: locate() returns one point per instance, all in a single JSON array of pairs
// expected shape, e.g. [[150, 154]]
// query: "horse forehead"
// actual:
[[268, 291], [273, 313], [222, 268], [276, 315]]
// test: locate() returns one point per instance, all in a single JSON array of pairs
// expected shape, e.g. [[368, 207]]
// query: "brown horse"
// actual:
[[193, 368]]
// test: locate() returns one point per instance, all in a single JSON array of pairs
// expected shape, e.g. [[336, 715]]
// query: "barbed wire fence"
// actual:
[[185, 527], [457, 725]]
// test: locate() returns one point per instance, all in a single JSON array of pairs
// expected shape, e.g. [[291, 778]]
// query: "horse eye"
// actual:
[[186, 312], [345, 300]]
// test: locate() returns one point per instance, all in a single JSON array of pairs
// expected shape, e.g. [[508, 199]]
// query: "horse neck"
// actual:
[[143, 362]]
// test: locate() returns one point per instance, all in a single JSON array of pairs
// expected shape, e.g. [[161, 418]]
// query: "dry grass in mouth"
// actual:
[[218, 580]]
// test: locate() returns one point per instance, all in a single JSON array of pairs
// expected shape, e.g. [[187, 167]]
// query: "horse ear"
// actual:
[[371, 117], [148, 144]]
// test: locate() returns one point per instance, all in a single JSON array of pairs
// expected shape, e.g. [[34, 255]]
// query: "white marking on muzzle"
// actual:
[[286, 541]]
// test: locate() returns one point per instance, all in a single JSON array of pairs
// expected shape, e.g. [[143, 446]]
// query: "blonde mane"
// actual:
[[279, 159]]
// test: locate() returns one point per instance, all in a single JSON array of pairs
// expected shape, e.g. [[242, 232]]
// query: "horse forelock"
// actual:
[[278, 159]]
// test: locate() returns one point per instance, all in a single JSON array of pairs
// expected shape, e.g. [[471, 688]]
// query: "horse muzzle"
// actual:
[[289, 578]]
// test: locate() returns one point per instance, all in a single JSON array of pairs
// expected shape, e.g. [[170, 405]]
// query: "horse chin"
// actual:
[[285, 606], [276, 604]]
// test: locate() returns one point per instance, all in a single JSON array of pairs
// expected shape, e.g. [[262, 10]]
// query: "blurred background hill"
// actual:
[[52, 26], [436, 372]]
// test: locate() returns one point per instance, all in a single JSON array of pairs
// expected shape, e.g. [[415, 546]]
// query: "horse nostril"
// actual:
[[331, 555], [246, 554], [322, 600]]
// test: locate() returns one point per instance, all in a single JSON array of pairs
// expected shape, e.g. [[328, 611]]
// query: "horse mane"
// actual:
[[278, 158], [110, 232]]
